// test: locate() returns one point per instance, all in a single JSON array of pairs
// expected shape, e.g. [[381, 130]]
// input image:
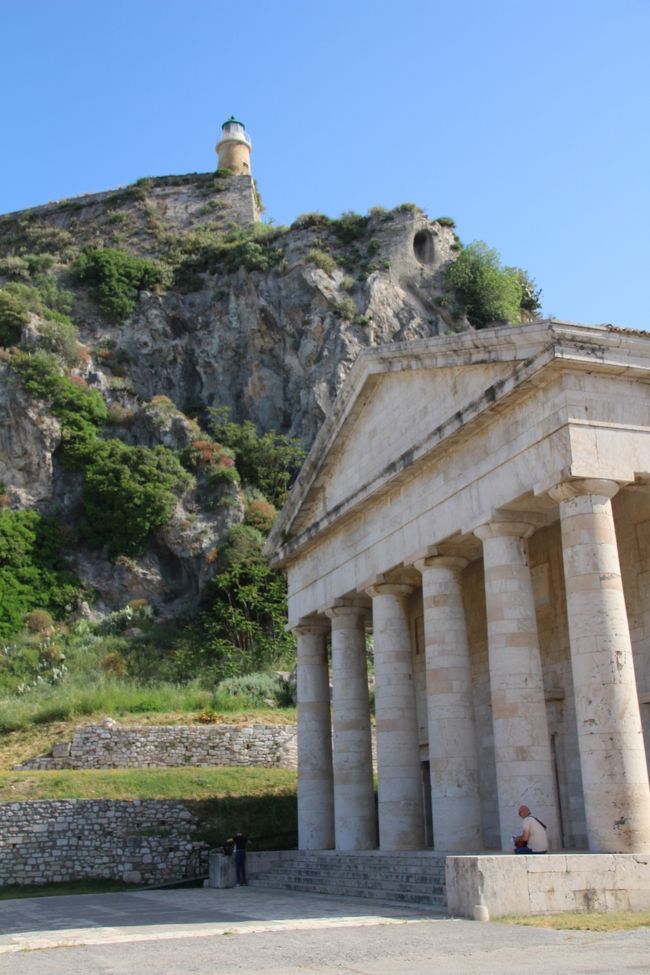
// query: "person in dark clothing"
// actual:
[[241, 842]]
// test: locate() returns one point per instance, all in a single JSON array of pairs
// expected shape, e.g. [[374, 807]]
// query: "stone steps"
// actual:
[[398, 878]]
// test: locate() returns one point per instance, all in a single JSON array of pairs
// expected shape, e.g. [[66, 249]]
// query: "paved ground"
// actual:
[[248, 930]]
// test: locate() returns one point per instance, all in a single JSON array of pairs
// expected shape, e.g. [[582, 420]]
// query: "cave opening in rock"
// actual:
[[423, 247]]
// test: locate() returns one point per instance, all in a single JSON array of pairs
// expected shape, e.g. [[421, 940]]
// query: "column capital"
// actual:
[[600, 487], [454, 562], [405, 575], [498, 528], [347, 610], [390, 589], [462, 547], [311, 625]]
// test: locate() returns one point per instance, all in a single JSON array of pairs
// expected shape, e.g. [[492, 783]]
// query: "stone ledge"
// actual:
[[548, 884]]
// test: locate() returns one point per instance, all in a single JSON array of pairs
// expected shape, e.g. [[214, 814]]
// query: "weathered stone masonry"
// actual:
[[138, 842], [111, 746], [482, 501]]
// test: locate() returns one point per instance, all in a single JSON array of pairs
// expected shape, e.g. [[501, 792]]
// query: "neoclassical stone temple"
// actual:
[[480, 503]]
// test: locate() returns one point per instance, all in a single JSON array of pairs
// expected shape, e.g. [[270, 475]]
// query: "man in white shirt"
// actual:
[[533, 838]]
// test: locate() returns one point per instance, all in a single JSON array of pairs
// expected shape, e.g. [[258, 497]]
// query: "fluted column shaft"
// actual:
[[401, 817], [453, 754], [610, 738], [315, 779], [522, 750], [355, 822]]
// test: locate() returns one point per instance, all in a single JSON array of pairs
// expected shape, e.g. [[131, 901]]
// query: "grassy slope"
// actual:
[[260, 800], [198, 784]]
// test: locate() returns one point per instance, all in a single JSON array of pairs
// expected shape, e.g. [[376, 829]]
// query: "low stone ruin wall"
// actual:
[[139, 842], [110, 745]]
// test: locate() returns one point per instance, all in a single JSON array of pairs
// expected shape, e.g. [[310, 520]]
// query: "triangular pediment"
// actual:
[[403, 402], [398, 412]]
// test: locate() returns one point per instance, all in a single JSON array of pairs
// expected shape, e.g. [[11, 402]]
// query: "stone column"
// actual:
[[401, 817], [315, 781], [453, 754], [522, 749], [610, 739], [355, 821]]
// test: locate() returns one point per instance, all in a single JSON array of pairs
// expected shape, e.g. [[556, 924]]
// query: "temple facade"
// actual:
[[474, 519]]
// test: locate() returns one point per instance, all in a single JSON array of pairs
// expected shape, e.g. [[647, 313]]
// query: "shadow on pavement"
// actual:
[[183, 907]]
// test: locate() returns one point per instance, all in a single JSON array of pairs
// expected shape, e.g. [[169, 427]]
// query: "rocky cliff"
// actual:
[[264, 320]]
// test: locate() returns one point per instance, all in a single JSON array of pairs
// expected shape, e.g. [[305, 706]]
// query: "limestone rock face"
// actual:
[[28, 438], [276, 345], [273, 340]]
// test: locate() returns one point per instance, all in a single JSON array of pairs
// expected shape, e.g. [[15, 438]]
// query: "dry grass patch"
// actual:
[[592, 921], [19, 746]]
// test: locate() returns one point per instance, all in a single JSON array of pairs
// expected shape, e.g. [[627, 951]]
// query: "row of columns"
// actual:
[[335, 784]]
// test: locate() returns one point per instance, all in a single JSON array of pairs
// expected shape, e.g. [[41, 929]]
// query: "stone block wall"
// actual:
[[139, 842], [110, 745], [182, 201], [548, 884]]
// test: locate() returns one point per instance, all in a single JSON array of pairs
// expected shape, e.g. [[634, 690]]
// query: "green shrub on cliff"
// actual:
[[204, 249], [267, 461], [115, 278], [53, 297], [488, 292], [127, 492], [81, 411], [322, 260], [19, 300], [12, 318], [350, 226]]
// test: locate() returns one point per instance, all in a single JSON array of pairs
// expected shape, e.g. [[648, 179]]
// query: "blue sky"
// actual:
[[528, 122]]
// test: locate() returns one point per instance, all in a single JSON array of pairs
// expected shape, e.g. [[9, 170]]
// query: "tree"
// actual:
[[242, 628], [529, 303], [33, 573], [487, 291]]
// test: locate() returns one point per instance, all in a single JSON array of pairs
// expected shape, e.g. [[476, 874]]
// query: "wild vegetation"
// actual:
[[129, 661], [33, 577], [115, 278], [268, 462], [56, 666], [43, 298], [488, 292]]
